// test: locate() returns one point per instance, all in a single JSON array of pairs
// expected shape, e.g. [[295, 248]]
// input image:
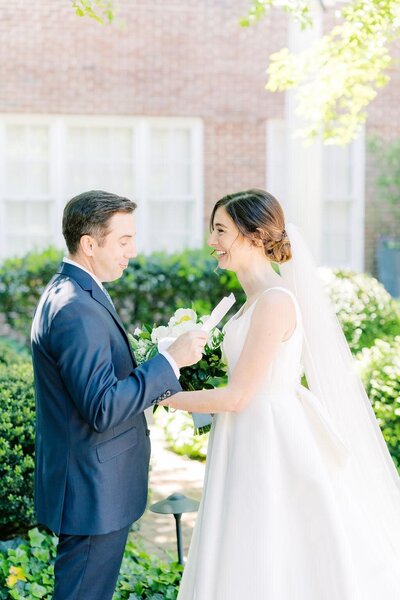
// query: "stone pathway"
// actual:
[[169, 473]]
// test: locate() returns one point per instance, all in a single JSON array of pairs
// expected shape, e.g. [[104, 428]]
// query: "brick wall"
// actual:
[[176, 58], [383, 122]]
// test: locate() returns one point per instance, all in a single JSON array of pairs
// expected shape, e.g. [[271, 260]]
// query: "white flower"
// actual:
[[137, 331], [159, 333], [177, 330], [183, 315]]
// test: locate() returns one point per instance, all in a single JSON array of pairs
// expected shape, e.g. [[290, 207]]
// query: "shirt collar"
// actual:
[[72, 262]]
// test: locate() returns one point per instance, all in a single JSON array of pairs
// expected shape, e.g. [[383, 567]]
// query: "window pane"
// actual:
[[28, 226], [336, 240], [170, 225], [100, 158], [181, 143], [27, 160], [337, 171], [170, 161], [38, 178]]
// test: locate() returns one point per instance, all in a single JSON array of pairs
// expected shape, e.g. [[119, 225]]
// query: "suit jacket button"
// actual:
[[168, 393]]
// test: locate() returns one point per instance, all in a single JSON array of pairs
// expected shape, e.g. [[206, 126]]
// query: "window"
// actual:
[[343, 205], [341, 195], [47, 160], [27, 199]]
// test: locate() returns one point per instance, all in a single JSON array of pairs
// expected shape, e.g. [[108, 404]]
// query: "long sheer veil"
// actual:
[[372, 481]]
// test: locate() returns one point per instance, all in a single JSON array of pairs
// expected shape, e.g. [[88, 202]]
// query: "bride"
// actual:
[[301, 498]]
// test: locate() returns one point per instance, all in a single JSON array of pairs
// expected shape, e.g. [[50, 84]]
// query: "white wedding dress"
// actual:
[[270, 524]]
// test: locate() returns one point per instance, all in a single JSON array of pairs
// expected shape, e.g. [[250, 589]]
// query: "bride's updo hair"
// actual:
[[259, 217]]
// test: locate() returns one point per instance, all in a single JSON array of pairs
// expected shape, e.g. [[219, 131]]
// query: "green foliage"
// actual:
[[11, 352], [155, 285], [380, 372], [298, 9], [22, 281], [151, 287], [178, 431], [17, 439], [102, 11], [387, 156], [143, 576], [366, 311], [338, 76], [27, 567], [27, 571]]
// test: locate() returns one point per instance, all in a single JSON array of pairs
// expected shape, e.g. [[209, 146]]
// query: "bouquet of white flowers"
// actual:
[[209, 372]]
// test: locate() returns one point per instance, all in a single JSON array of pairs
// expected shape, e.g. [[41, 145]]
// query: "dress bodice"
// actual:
[[285, 370]]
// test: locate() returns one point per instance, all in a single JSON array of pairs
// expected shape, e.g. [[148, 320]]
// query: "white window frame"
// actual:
[[58, 125], [276, 130]]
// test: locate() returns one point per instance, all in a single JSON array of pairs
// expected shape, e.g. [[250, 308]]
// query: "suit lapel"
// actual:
[[89, 284]]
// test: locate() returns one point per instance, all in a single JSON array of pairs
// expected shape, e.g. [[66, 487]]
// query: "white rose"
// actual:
[[183, 315], [137, 331], [159, 333], [180, 328]]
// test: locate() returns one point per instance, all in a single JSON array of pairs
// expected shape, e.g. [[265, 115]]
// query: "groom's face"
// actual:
[[111, 257]]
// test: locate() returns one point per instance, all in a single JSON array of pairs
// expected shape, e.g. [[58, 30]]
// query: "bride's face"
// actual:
[[232, 249]]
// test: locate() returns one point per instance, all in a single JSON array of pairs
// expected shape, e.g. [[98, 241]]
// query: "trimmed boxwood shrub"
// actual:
[[380, 372], [17, 441]]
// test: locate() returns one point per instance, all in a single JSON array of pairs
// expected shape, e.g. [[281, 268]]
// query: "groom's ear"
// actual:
[[86, 243]]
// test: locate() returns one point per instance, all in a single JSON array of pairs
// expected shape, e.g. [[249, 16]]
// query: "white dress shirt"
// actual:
[[166, 354]]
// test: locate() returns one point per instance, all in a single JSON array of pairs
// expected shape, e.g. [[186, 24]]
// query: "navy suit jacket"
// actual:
[[92, 442]]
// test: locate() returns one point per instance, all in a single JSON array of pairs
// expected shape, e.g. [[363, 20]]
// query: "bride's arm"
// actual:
[[274, 317]]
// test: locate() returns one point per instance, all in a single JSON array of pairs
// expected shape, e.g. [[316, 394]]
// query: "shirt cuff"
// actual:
[[172, 362]]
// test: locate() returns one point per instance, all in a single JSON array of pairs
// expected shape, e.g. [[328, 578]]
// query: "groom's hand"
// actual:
[[188, 348]]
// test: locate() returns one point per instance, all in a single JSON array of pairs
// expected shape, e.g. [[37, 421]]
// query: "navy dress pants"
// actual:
[[87, 566]]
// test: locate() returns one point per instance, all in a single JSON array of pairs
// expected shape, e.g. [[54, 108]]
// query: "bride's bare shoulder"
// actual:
[[275, 303]]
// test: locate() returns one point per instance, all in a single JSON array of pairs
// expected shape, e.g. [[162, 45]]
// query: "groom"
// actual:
[[92, 441]]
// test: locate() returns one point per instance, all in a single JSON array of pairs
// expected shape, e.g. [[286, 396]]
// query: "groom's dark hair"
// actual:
[[89, 214]]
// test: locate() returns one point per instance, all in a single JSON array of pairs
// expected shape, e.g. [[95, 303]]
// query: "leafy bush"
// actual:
[[11, 352], [150, 290], [366, 311], [179, 434], [154, 286], [27, 571], [17, 441], [22, 281], [143, 576], [380, 372]]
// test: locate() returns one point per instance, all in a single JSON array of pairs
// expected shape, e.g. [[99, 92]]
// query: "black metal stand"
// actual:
[[179, 538]]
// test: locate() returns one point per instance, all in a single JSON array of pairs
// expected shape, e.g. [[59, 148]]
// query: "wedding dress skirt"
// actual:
[[275, 520]]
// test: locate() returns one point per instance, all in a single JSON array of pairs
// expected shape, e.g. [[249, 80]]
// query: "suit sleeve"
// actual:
[[83, 353]]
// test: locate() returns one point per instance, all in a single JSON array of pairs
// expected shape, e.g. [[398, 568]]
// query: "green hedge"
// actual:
[[154, 286], [149, 292], [22, 280], [380, 372], [17, 441], [366, 311], [27, 571]]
